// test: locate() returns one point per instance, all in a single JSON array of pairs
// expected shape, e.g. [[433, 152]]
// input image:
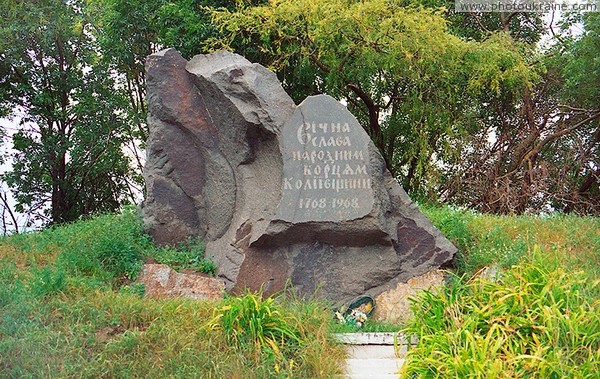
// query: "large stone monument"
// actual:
[[279, 192]]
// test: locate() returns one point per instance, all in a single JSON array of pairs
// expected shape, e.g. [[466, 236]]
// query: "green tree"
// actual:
[[186, 24], [127, 31], [407, 78], [68, 159], [539, 149]]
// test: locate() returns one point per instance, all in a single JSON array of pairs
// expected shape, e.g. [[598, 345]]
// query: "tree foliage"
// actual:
[[538, 150], [465, 108], [68, 146], [408, 79], [525, 28], [127, 31]]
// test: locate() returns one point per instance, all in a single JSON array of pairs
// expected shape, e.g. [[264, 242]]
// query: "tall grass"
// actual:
[[108, 248], [538, 321], [68, 310], [485, 240], [287, 336], [249, 319]]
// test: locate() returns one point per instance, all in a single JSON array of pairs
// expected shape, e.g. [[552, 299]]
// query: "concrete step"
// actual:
[[373, 368], [371, 351], [374, 355], [382, 338]]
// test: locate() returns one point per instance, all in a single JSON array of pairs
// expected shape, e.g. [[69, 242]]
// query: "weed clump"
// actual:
[[250, 320], [287, 336], [188, 254], [48, 281]]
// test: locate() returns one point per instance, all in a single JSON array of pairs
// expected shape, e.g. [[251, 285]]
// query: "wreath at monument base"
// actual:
[[357, 313]]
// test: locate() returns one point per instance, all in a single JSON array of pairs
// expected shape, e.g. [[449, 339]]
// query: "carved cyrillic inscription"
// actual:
[[326, 172]]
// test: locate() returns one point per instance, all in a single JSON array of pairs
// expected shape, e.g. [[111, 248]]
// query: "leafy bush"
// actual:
[[539, 321]]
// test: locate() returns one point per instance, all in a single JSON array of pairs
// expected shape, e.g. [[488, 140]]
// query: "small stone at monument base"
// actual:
[[393, 305], [161, 281]]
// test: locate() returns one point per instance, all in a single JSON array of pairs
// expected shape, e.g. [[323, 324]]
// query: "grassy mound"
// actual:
[[68, 308], [485, 240]]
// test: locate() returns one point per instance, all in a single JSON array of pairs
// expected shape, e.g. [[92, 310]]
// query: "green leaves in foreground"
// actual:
[[537, 322]]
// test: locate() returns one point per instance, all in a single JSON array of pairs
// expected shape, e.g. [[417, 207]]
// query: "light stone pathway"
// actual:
[[373, 355]]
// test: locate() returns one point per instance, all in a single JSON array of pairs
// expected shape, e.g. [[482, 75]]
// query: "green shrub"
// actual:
[[119, 258], [539, 321], [110, 246]]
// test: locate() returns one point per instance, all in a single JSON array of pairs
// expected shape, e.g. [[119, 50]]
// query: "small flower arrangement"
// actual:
[[357, 313]]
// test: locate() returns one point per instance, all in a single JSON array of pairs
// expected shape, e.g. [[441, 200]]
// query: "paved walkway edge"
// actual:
[[385, 338], [374, 355]]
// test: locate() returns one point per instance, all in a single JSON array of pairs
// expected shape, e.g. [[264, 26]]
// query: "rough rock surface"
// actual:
[[161, 281], [278, 192], [393, 305]]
